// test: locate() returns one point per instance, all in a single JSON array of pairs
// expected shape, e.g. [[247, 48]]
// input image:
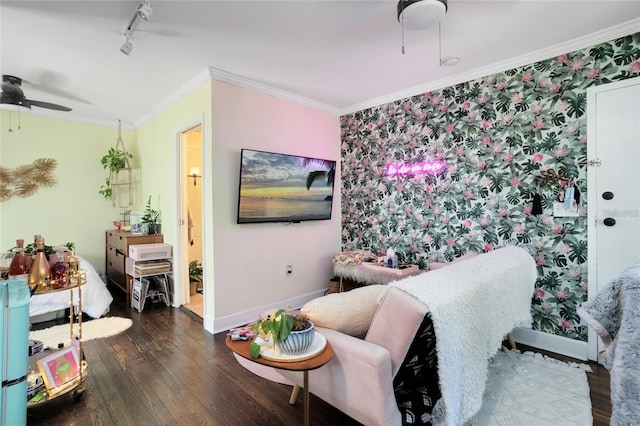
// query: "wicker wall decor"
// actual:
[[24, 181]]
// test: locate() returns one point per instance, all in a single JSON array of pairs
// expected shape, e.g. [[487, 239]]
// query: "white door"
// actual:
[[613, 185]]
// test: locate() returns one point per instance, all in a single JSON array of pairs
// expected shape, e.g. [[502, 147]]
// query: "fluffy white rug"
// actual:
[[94, 329], [531, 390]]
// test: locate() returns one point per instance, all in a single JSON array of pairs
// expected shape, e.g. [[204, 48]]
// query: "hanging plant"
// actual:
[[115, 160]]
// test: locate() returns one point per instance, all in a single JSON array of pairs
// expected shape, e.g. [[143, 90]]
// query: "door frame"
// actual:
[[594, 343], [181, 256]]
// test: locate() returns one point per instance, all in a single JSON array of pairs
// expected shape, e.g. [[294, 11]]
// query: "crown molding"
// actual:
[[245, 83], [66, 116], [625, 29]]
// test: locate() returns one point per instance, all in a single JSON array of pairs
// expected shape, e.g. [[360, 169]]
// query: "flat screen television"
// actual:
[[284, 188]]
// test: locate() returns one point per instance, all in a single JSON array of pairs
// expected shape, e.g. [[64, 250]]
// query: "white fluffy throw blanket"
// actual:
[[473, 305], [615, 315]]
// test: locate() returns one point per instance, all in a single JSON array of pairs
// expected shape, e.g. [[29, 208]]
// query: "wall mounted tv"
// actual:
[[284, 188]]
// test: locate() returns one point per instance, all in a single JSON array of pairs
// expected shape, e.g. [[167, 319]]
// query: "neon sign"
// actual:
[[430, 167]]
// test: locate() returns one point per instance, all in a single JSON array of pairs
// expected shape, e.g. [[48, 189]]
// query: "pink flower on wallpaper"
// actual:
[[562, 106], [370, 126], [459, 152], [392, 211], [425, 224], [427, 95], [537, 157], [381, 218], [562, 59], [546, 220], [507, 119], [484, 222], [577, 65], [593, 73], [360, 234], [486, 140], [496, 148], [501, 85], [540, 260], [528, 210], [493, 202], [357, 217], [445, 220], [383, 238], [407, 209], [515, 181], [583, 138], [546, 307], [555, 88], [401, 224], [371, 220], [378, 173], [473, 235], [538, 124], [508, 158], [467, 180], [537, 109], [573, 128], [468, 195], [518, 229], [383, 142], [413, 143], [539, 245], [407, 107], [482, 165], [423, 117], [440, 156], [482, 100], [427, 131], [574, 272], [585, 286], [351, 210], [634, 68], [437, 211], [400, 123], [345, 191], [359, 144], [488, 247], [517, 98], [443, 108], [435, 101], [486, 124], [452, 168], [450, 242], [429, 189], [567, 324], [414, 248], [491, 78], [543, 82], [380, 122], [448, 128], [466, 106], [563, 248], [428, 202], [372, 197], [560, 153], [557, 229], [562, 294], [467, 223], [381, 154], [485, 181], [345, 231], [539, 293], [472, 115], [526, 78]]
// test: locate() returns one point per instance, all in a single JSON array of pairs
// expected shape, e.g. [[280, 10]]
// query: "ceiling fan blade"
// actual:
[[48, 105], [8, 100]]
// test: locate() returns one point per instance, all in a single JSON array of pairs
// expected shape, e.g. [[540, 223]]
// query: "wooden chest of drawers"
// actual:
[[117, 250]]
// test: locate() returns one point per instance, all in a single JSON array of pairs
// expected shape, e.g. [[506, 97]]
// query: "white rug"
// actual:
[[94, 329], [530, 389]]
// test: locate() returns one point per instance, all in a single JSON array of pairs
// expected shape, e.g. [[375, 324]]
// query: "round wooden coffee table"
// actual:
[[241, 347]]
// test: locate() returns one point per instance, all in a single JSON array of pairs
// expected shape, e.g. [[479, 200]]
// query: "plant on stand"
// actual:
[[151, 217], [291, 333], [195, 276], [114, 161]]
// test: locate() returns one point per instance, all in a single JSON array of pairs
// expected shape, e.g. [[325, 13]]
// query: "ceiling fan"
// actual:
[[12, 94]]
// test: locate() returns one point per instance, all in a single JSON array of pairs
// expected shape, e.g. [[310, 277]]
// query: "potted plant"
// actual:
[[151, 217], [113, 161], [291, 333], [195, 276]]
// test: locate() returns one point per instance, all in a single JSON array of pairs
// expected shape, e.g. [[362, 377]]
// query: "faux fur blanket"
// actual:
[[615, 315], [473, 305]]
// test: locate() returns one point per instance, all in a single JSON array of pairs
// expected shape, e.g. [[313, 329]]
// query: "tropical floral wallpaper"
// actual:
[[499, 137]]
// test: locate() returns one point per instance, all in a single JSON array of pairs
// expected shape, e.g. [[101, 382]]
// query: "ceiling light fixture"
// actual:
[[420, 14], [143, 12]]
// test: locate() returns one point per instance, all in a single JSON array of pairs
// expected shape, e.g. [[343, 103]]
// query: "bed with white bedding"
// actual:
[[96, 298]]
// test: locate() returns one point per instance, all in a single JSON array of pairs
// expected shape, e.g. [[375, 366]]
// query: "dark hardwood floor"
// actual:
[[167, 370]]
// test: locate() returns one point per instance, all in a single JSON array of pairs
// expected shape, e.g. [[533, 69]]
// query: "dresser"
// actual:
[[117, 250]]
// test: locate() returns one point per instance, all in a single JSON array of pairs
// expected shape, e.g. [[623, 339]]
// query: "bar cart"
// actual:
[[63, 370]]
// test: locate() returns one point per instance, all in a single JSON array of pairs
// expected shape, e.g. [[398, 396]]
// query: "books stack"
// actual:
[[152, 267]]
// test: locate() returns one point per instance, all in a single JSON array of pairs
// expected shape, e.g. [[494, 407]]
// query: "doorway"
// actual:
[[614, 185], [191, 141]]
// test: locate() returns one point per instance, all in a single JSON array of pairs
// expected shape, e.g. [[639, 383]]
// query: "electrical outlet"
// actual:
[[289, 269]]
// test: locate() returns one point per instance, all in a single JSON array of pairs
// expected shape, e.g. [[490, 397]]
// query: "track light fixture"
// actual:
[[143, 13], [126, 47]]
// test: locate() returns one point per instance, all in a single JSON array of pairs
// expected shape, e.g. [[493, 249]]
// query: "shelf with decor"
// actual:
[[149, 267], [64, 370]]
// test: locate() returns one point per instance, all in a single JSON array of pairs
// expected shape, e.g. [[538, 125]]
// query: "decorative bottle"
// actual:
[[19, 267], [39, 272]]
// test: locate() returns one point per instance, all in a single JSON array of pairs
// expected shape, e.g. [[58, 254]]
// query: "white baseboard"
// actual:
[[550, 342], [226, 322]]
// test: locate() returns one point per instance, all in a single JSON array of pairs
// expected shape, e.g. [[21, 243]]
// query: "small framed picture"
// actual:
[[59, 368]]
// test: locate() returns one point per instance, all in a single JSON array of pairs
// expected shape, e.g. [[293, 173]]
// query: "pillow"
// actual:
[[349, 312], [437, 265]]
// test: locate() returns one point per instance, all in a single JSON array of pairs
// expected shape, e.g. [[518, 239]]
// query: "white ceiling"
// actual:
[[337, 56]]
